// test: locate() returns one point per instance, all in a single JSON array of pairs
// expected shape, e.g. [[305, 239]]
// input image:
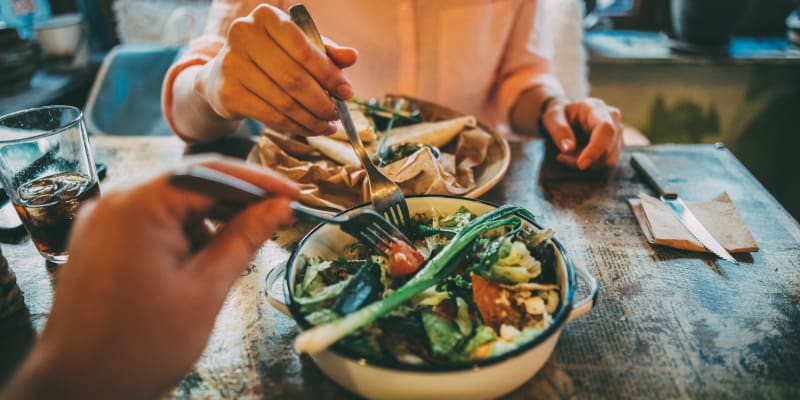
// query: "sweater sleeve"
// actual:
[[205, 47], [526, 60]]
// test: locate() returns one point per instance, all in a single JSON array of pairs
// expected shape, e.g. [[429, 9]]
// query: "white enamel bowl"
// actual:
[[476, 380]]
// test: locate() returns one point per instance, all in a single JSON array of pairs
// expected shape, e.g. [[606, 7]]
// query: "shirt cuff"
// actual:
[[169, 83], [520, 81]]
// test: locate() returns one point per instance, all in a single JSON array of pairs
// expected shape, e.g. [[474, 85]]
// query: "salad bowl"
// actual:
[[471, 379]]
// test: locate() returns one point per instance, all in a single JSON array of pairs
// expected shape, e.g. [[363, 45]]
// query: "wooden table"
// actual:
[[666, 325]]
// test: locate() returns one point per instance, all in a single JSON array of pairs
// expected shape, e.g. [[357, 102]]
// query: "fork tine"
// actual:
[[380, 237], [385, 236], [376, 242], [404, 212], [398, 214], [389, 230], [359, 227], [391, 216], [373, 229], [369, 240]]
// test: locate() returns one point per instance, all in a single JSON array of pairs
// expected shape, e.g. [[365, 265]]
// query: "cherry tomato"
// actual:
[[403, 259]]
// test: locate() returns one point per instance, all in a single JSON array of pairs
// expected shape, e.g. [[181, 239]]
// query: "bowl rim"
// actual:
[[558, 320], [59, 21]]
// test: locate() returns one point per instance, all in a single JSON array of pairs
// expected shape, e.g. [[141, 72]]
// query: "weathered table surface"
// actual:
[[666, 325]]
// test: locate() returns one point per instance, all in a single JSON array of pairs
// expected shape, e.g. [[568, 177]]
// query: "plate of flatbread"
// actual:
[[434, 150]]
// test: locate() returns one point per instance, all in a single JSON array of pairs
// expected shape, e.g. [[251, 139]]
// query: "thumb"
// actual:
[[556, 124], [225, 257]]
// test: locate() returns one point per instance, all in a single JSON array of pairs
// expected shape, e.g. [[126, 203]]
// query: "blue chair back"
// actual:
[[126, 95]]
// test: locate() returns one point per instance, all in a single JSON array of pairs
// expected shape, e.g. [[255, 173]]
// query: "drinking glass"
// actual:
[[47, 170]]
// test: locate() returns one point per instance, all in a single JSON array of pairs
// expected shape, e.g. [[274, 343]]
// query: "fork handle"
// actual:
[[218, 185], [300, 16], [355, 140], [235, 192]]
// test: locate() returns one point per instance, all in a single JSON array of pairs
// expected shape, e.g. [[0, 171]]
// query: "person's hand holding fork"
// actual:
[[135, 304]]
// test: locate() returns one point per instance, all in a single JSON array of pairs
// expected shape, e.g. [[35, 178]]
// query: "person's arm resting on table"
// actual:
[[531, 97]]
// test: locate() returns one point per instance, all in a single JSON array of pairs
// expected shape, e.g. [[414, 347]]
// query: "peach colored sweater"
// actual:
[[474, 56]]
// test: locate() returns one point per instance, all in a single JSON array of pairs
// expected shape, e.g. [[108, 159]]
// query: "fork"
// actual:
[[366, 225], [387, 198]]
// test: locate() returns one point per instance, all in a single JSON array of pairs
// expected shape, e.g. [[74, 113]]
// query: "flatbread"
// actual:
[[336, 150], [331, 176], [291, 145], [363, 127], [323, 183], [421, 173], [436, 134]]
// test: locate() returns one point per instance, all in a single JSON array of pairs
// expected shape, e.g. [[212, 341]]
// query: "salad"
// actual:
[[472, 287]]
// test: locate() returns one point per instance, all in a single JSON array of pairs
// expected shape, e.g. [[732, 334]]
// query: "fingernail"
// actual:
[[344, 91], [566, 144], [331, 129], [585, 163]]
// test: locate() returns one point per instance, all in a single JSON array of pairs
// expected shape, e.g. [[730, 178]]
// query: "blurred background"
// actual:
[[681, 71]]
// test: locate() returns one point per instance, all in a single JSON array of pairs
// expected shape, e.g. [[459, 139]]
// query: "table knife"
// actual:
[[643, 165]]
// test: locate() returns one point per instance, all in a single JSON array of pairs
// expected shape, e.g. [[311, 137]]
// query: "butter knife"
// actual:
[[643, 165]]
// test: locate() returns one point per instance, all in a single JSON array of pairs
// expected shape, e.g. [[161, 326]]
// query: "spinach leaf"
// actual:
[[364, 286]]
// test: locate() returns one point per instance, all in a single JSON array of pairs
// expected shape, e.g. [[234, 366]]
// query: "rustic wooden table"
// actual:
[[666, 325]]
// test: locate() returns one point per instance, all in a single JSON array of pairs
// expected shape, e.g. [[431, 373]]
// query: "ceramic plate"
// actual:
[[497, 159]]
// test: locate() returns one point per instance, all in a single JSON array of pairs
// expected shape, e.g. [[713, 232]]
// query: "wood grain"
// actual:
[[666, 325]]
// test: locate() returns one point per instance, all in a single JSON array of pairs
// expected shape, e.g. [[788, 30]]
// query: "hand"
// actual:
[[134, 306], [269, 71], [602, 123]]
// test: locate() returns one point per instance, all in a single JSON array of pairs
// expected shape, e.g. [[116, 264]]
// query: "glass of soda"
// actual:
[[47, 170]]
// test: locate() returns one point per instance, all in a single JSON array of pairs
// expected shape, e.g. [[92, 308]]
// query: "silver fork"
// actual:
[[366, 225], [387, 198]]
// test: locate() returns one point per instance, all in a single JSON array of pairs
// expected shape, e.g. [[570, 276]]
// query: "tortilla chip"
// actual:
[[436, 134], [363, 127]]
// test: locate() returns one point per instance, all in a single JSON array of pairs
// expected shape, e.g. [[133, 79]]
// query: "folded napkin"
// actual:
[[719, 215]]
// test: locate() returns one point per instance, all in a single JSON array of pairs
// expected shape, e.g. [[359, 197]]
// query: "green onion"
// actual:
[[382, 145]]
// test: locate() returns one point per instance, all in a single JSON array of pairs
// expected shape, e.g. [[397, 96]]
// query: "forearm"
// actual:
[[192, 116], [524, 114]]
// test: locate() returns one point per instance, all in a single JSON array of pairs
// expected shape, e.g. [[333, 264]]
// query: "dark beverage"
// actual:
[[48, 205]]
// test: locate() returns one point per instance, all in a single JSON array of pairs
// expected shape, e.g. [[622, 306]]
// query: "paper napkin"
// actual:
[[719, 216]]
